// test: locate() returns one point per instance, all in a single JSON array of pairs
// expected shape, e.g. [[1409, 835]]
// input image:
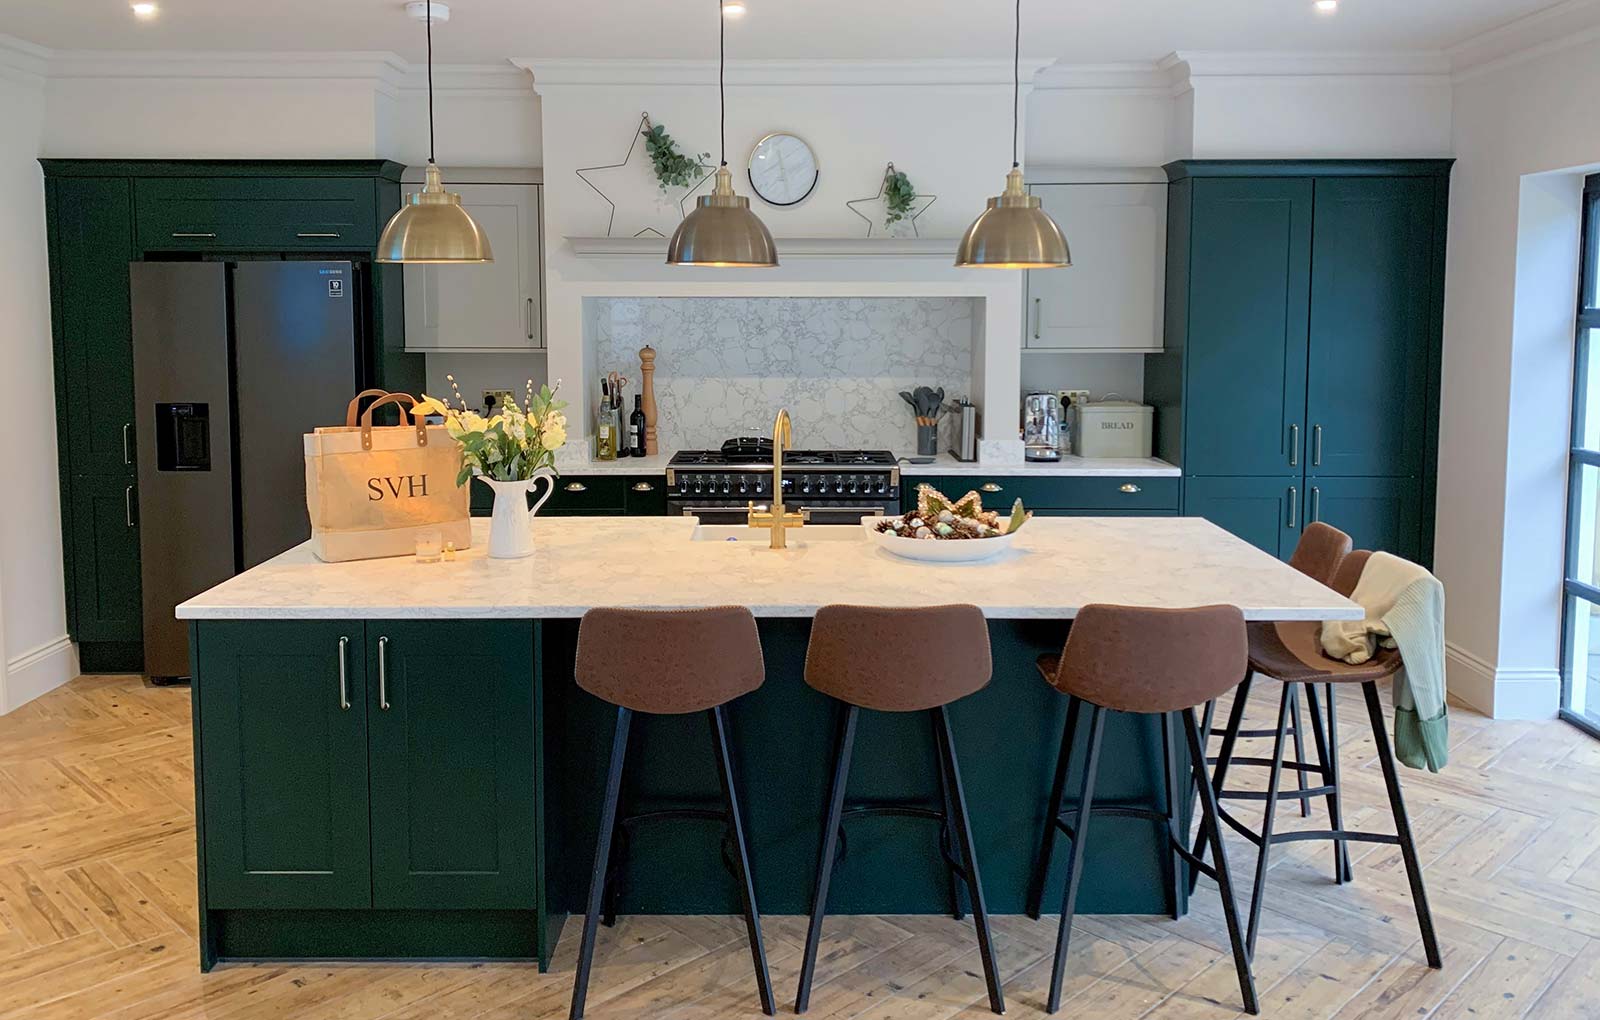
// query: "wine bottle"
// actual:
[[636, 426]]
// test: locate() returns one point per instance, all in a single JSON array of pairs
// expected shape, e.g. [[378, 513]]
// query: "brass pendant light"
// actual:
[[721, 230], [1014, 232], [432, 226]]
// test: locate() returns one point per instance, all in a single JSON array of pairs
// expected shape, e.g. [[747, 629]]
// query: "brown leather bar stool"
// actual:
[[1317, 555], [899, 660], [1147, 662], [1294, 655], [654, 662]]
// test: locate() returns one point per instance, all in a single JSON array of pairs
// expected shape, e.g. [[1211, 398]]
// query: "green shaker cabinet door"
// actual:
[[105, 559], [284, 764], [92, 243], [1248, 298], [1266, 512], [1371, 320], [452, 764], [1377, 513]]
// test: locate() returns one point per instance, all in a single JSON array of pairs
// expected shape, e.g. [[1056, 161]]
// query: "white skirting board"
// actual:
[[1501, 693], [37, 671]]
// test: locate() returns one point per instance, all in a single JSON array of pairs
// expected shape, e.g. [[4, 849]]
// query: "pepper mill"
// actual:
[[647, 389]]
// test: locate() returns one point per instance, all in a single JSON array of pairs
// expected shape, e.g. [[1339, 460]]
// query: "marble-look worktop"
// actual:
[[944, 464], [1056, 566]]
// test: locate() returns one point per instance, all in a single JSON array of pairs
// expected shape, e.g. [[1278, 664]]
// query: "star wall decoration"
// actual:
[[878, 209], [639, 208]]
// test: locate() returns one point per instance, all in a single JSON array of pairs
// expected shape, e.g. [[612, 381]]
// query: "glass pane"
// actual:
[[1581, 668], [1583, 534], [1591, 253], [1586, 394]]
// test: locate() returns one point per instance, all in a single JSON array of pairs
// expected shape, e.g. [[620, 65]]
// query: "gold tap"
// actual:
[[778, 518]]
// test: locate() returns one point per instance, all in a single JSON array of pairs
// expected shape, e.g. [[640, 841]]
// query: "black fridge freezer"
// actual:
[[233, 362]]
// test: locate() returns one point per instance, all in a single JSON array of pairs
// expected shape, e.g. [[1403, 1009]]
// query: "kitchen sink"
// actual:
[[811, 534]]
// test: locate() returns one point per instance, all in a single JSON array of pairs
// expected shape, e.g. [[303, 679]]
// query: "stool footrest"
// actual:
[[1260, 795], [1266, 763]]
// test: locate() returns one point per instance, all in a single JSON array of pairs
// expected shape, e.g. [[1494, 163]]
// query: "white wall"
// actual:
[[1508, 346], [34, 653]]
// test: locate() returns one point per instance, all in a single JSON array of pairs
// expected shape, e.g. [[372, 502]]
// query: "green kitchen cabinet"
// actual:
[[1058, 495], [104, 585], [646, 496], [210, 213], [1377, 513], [589, 496], [282, 741], [450, 737], [1265, 511]]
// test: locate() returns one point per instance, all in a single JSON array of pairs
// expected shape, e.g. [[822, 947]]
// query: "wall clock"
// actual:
[[783, 169]]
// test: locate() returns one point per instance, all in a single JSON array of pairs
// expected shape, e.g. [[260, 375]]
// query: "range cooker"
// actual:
[[836, 486]]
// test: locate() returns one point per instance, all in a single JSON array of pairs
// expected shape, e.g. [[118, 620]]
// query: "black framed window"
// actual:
[[1580, 625]]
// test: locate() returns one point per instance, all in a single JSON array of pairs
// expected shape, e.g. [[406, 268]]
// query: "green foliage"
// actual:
[[673, 168], [898, 194]]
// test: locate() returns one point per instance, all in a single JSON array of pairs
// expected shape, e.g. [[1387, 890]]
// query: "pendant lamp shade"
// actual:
[[432, 226], [721, 231], [1013, 233]]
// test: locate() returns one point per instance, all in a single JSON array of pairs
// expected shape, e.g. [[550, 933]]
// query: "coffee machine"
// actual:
[[1041, 426]]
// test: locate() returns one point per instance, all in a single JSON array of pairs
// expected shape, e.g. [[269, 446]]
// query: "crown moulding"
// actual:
[[793, 73]]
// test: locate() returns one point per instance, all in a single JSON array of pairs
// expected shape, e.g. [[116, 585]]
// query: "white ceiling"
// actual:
[[488, 31]]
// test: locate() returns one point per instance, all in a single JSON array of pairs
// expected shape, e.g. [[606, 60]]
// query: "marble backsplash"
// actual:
[[725, 365]]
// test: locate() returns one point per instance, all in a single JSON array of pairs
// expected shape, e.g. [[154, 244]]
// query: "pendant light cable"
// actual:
[[1016, 84], [429, 12], [722, 70]]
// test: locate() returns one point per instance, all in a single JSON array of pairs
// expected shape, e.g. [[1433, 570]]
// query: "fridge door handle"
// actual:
[[1316, 504], [1038, 316], [127, 505]]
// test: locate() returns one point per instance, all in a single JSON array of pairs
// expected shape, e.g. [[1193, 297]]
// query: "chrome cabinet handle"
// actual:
[[530, 318], [316, 233], [383, 673], [1294, 506], [1316, 446], [990, 487], [127, 450], [1038, 316], [1316, 503], [1129, 488], [643, 487], [344, 679], [127, 505], [192, 234], [576, 487], [1294, 444]]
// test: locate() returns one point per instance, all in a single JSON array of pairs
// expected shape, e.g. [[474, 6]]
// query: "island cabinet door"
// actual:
[[1266, 512], [452, 764], [283, 749]]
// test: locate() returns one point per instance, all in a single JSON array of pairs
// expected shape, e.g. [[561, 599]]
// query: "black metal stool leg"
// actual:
[[602, 858], [619, 847], [1230, 739], [747, 883], [1080, 830], [1169, 782], [1230, 906], [1296, 729], [1285, 706], [1326, 755], [844, 744], [969, 856], [1402, 826], [1348, 874], [947, 837], [1058, 792]]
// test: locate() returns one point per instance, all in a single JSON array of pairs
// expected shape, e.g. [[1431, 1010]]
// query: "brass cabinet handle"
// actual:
[[1038, 316], [1316, 503], [990, 487], [530, 318], [192, 234], [643, 487], [1316, 446], [576, 487], [383, 673], [1294, 506], [127, 454], [344, 680], [1129, 488], [127, 505], [1294, 444], [316, 233]]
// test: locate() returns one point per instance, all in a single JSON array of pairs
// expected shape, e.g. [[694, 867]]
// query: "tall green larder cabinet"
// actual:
[[1300, 378]]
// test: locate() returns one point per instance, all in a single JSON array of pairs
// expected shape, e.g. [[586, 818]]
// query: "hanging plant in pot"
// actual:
[[510, 450]]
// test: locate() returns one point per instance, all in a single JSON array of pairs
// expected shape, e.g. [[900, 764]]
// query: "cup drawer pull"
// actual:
[[1129, 488], [576, 487], [643, 487], [990, 487]]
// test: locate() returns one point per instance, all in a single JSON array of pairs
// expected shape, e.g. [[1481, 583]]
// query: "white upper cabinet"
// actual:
[[1110, 299], [492, 307]]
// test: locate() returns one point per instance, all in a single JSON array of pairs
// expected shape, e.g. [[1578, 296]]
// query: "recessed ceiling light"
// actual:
[[144, 9], [732, 8], [1326, 6]]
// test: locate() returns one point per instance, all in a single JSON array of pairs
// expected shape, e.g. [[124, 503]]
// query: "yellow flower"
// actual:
[[553, 438], [429, 405]]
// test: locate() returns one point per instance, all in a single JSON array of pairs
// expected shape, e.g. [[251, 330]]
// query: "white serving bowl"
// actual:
[[936, 550]]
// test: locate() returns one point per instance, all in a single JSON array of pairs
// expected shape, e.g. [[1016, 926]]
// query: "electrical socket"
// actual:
[[495, 398], [1077, 397]]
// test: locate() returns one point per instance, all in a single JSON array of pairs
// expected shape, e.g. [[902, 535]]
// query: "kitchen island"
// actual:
[[392, 759]]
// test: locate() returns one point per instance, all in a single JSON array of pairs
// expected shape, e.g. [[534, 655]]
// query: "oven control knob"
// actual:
[[852, 485], [838, 483], [727, 485], [805, 485], [883, 485], [744, 488], [698, 483]]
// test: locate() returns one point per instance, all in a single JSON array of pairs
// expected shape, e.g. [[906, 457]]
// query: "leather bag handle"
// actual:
[[354, 408], [402, 401]]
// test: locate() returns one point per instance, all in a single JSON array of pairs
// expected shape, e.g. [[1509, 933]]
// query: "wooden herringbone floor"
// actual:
[[97, 875]]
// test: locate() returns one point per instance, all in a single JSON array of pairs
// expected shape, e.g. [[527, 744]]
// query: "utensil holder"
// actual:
[[928, 440]]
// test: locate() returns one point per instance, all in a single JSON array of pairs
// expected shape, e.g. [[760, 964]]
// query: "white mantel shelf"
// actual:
[[788, 247]]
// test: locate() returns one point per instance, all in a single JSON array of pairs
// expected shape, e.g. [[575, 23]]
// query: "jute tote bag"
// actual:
[[370, 490]]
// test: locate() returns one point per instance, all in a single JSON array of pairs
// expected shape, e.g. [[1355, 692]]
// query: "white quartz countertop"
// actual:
[[944, 465], [1055, 567]]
